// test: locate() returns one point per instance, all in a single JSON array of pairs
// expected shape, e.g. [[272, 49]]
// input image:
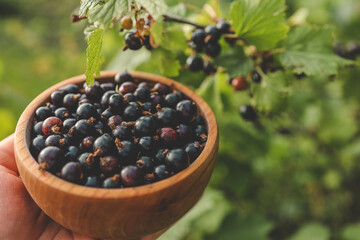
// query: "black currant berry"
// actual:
[[186, 110], [105, 115], [248, 113], [127, 87], [132, 111], [209, 68], [223, 27], [160, 156], [122, 77], [72, 172], [167, 117], [168, 136], [89, 163], [144, 126], [42, 113], [70, 88], [116, 102], [52, 125], [86, 111], [93, 181], [38, 144], [62, 113], [195, 63], [112, 182], [82, 128], [131, 176], [161, 88], [256, 77], [57, 98], [93, 92], [107, 87], [146, 144], [87, 143], [71, 153], [132, 41], [56, 141], [127, 152], [109, 165], [38, 128], [212, 33], [104, 145], [171, 100], [161, 172], [145, 163], [212, 49], [105, 98], [198, 36], [50, 158], [122, 132], [185, 132], [142, 94], [193, 150], [71, 100], [177, 160]]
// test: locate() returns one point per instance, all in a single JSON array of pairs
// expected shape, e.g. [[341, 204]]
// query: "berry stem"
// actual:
[[168, 18]]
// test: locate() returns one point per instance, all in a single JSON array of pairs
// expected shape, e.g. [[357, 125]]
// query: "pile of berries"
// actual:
[[206, 40], [119, 134]]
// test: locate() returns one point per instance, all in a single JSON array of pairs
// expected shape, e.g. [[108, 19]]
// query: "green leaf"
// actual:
[[235, 62], [93, 54], [260, 23], [271, 94], [309, 50], [156, 8], [157, 32], [86, 5], [312, 231], [206, 217], [108, 11], [243, 227], [351, 232]]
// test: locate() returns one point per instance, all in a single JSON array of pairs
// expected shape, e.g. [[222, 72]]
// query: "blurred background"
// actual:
[[298, 178]]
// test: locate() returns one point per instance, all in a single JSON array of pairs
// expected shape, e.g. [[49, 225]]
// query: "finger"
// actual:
[[7, 158]]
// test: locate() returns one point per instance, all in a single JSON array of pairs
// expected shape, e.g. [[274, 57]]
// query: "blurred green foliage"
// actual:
[[295, 175]]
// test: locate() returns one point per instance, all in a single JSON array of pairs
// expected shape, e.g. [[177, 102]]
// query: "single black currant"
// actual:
[[109, 165], [186, 110], [212, 49], [86, 111], [256, 77], [161, 172], [131, 176], [248, 113], [50, 158], [42, 113], [122, 77], [132, 41], [93, 181], [72, 172], [145, 126], [145, 163], [195, 63], [177, 160], [167, 117], [193, 150]]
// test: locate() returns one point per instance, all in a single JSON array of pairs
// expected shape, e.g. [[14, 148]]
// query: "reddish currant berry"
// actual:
[[52, 125], [126, 22], [239, 83]]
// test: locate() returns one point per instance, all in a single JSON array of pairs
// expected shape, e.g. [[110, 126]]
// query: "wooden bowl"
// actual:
[[127, 213]]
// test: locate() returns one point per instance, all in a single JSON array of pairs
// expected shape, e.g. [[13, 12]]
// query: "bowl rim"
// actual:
[[24, 157]]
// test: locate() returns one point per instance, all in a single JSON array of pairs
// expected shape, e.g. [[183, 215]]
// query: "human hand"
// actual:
[[20, 217]]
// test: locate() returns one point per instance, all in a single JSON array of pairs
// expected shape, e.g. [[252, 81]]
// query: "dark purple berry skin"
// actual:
[[82, 128], [50, 158], [116, 102], [213, 32], [162, 89], [150, 107], [68, 124], [71, 100], [156, 99], [94, 92], [93, 181], [87, 143], [89, 163], [200, 129], [142, 94], [256, 77], [161, 172], [177, 160], [146, 144], [105, 143], [112, 182], [185, 132], [198, 36], [127, 87], [86, 111], [186, 110], [167, 117], [57, 98], [193, 150], [52, 125], [199, 120], [129, 97], [42, 113], [160, 156], [145, 163], [248, 113], [109, 165], [53, 108], [144, 85], [71, 153], [223, 27], [209, 68], [132, 111], [131, 176], [168, 135], [38, 144], [171, 100], [195, 63], [105, 115], [56, 141], [70, 88], [145, 126], [127, 152], [107, 87], [213, 49], [105, 98], [122, 77], [198, 48], [72, 172], [38, 128], [62, 113], [132, 41], [122, 132], [114, 121]]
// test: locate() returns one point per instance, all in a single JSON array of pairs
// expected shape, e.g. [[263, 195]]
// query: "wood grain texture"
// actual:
[[127, 213]]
